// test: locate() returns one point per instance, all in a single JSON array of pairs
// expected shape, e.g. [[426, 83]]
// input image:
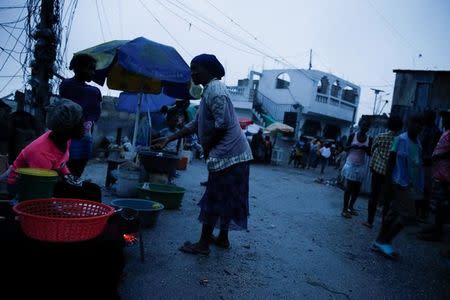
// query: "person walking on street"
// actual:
[[89, 98], [354, 170], [227, 152], [380, 155], [406, 173], [325, 153]]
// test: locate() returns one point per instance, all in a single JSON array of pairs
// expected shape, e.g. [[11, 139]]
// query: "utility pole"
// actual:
[[310, 59], [42, 67], [376, 91]]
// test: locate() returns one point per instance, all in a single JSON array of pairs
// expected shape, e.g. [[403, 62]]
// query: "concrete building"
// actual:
[[315, 103], [419, 90]]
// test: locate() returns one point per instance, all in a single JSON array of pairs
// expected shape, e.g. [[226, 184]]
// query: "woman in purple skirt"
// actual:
[[225, 202]]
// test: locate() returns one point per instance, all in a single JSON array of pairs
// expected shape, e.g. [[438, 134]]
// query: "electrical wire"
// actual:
[[100, 21], [11, 79], [204, 31], [392, 28], [14, 27], [210, 23], [165, 29], [108, 26]]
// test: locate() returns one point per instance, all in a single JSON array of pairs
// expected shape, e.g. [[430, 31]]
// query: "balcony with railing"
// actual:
[[332, 107]]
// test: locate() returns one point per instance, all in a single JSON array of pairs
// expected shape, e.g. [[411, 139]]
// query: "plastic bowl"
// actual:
[[148, 210], [167, 194]]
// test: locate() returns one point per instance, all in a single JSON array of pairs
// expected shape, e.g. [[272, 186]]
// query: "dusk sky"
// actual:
[[359, 40]]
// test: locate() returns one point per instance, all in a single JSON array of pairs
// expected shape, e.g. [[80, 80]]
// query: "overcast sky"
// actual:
[[359, 40]]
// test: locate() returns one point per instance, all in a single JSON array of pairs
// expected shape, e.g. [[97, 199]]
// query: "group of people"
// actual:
[[408, 171], [308, 154]]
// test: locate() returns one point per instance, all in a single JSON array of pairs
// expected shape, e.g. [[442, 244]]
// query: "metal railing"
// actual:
[[276, 110], [321, 99], [236, 90]]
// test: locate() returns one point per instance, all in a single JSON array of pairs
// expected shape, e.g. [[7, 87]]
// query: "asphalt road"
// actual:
[[297, 247]]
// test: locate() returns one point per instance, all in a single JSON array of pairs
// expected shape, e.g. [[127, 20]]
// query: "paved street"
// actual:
[[297, 247]]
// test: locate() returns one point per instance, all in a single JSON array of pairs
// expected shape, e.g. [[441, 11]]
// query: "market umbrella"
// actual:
[[141, 66], [277, 127], [128, 102]]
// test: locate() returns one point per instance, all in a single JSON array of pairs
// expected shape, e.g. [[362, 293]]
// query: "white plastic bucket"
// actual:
[[127, 182]]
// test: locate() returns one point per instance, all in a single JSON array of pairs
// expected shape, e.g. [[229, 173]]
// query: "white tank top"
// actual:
[[358, 156]]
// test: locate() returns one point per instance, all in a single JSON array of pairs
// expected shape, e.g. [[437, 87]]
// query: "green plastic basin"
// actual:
[[168, 195]]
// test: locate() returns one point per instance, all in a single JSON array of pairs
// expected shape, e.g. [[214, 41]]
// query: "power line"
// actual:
[[14, 22], [11, 7], [108, 26], [242, 28], [11, 79], [165, 29], [14, 27], [393, 29], [204, 31], [198, 16], [10, 76], [120, 18], [205, 20], [100, 21], [14, 47]]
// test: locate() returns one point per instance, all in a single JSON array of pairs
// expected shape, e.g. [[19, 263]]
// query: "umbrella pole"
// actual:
[[149, 127], [136, 121]]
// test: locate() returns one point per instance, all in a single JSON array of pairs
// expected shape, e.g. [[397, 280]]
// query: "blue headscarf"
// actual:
[[210, 63]]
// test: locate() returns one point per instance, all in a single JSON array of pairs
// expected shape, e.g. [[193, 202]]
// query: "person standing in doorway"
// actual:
[[89, 98], [354, 170], [406, 173], [381, 148], [227, 152]]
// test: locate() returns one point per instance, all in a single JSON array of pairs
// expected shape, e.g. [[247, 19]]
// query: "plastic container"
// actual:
[[148, 210], [62, 220], [168, 195], [126, 183], [182, 163], [35, 183], [159, 162]]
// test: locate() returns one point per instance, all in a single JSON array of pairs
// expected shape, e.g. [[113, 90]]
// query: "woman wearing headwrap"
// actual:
[[51, 151], [227, 152], [89, 98]]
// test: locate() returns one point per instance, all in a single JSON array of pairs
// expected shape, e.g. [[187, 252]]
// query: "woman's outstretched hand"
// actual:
[[159, 143]]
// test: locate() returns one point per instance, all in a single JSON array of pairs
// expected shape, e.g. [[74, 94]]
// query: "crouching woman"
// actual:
[[51, 151]]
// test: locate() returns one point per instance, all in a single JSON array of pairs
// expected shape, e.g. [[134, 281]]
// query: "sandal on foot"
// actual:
[[195, 249], [346, 215], [386, 249], [368, 225]]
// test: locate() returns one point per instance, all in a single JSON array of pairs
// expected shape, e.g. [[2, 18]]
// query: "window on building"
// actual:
[[283, 81], [349, 94], [322, 85], [335, 88]]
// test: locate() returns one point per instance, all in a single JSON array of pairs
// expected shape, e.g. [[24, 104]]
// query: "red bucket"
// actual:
[[62, 220]]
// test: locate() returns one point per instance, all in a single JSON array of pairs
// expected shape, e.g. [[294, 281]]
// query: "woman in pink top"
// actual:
[[51, 151], [358, 148]]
